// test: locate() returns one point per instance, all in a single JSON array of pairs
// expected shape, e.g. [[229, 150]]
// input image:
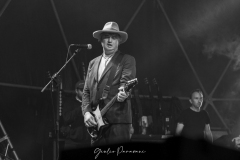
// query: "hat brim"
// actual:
[[124, 35]]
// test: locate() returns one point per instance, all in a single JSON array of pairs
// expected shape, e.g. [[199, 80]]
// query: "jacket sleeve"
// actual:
[[86, 93], [129, 70]]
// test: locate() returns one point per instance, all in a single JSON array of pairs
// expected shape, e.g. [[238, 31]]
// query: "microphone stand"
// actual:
[[56, 74], [55, 77]]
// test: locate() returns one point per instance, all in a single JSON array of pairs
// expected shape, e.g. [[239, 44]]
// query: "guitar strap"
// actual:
[[107, 87]]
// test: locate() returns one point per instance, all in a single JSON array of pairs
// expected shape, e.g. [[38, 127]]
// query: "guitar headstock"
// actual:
[[146, 81], [155, 82], [130, 84]]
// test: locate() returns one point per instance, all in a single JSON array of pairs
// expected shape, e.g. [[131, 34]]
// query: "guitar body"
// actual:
[[98, 117], [97, 131]]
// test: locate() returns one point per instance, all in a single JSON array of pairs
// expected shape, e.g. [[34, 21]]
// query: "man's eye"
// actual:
[[105, 36]]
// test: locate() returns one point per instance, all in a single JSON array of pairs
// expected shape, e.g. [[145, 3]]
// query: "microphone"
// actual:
[[88, 46]]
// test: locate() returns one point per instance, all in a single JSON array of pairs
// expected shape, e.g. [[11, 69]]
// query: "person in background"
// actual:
[[73, 129], [193, 122]]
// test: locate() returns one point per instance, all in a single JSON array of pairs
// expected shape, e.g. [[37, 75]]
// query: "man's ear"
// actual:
[[119, 40], [81, 92], [190, 101]]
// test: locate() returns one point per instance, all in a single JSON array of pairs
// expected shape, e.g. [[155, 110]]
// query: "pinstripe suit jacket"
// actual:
[[120, 112]]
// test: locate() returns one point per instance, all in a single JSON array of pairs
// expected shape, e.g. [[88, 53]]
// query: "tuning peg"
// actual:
[[49, 74], [146, 80], [155, 81]]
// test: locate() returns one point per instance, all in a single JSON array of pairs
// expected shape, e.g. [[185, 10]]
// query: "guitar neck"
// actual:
[[150, 95], [110, 103], [159, 94], [127, 87]]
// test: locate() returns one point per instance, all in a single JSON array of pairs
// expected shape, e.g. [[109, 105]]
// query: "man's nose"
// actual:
[[110, 39]]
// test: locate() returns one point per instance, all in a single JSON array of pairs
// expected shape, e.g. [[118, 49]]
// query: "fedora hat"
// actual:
[[111, 27]]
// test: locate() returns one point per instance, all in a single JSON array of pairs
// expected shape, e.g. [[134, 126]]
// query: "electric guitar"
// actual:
[[160, 101], [140, 114], [149, 91], [102, 124], [152, 113]]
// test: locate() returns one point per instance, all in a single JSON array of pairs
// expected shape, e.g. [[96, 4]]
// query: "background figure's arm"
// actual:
[[179, 129], [208, 133], [72, 115]]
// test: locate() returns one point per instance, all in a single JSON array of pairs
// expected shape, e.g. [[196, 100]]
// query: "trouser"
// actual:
[[69, 144], [115, 133]]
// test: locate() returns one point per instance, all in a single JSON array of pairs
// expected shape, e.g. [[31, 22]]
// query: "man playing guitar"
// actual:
[[119, 115]]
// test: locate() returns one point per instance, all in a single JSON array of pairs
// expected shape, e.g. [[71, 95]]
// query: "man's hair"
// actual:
[[104, 33], [195, 90]]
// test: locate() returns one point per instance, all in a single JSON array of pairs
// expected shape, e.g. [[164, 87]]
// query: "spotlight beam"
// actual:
[[4, 7]]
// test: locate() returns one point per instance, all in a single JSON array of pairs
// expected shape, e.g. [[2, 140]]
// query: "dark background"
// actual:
[[199, 48]]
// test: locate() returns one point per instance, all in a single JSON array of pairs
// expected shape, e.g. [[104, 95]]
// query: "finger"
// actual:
[[120, 96], [123, 94], [92, 121], [86, 124], [123, 97], [89, 124], [121, 89], [120, 99]]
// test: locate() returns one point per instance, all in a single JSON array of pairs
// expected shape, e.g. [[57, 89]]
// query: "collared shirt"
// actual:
[[103, 64]]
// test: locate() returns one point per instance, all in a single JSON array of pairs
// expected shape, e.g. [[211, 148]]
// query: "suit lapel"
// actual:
[[109, 65]]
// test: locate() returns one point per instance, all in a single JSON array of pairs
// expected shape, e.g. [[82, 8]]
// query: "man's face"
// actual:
[[110, 41], [197, 99]]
